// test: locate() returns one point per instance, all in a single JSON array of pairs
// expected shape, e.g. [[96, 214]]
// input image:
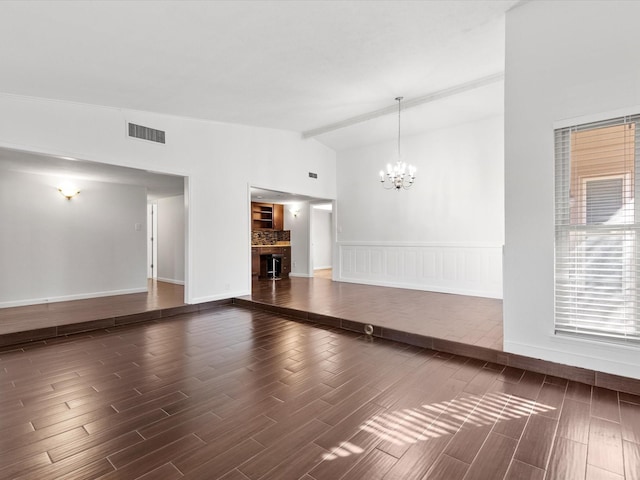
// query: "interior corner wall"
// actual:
[[170, 239], [446, 232], [54, 249], [322, 238], [218, 160], [565, 62]]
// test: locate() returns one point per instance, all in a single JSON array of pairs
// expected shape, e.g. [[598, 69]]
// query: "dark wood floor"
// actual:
[[238, 394], [235, 393], [160, 295], [469, 320]]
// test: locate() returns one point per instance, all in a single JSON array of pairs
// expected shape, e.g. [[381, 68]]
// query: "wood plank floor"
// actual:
[[470, 320], [238, 394], [160, 295]]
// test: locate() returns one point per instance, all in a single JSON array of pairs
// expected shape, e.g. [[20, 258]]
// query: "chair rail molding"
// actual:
[[452, 267]]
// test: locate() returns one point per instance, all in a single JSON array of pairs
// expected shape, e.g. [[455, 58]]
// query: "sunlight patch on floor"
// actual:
[[412, 425]]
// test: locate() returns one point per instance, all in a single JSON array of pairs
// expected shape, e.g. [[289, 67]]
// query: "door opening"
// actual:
[[152, 235]]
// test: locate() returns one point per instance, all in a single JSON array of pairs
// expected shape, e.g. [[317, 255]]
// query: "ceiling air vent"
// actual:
[[146, 133]]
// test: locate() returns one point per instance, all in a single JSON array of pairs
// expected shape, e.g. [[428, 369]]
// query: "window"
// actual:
[[596, 229]]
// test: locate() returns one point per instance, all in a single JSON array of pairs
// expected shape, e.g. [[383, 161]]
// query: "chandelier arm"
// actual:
[[388, 185]]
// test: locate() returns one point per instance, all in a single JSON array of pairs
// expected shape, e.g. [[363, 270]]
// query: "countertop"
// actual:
[[271, 246]]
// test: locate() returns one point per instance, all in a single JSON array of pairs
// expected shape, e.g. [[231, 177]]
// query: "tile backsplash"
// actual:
[[270, 237]]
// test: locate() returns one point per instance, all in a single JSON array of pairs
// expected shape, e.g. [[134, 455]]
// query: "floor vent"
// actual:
[[146, 133]]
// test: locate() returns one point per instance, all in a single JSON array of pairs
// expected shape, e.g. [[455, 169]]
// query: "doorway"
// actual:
[[298, 220], [152, 235], [322, 240]]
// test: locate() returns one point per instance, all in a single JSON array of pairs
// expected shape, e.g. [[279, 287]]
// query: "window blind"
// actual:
[[597, 231]]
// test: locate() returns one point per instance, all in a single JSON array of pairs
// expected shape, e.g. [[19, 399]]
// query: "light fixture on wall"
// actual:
[[294, 211], [68, 191], [399, 175]]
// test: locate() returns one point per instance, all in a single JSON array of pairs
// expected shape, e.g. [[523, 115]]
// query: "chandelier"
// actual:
[[399, 175]]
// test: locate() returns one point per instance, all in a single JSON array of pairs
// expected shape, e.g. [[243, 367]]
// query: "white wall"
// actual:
[[170, 239], [55, 249], [220, 161], [300, 238], [566, 62], [446, 232], [322, 239]]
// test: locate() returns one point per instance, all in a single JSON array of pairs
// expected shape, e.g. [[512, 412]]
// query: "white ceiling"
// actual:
[[288, 64], [271, 196], [295, 65], [157, 185]]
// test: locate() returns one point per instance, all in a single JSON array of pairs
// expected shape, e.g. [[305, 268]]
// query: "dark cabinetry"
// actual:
[[255, 261], [278, 217], [260, 260], [268, 216], [286, 262]]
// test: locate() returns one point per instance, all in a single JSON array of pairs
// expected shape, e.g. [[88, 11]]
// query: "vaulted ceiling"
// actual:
[[294, 65]]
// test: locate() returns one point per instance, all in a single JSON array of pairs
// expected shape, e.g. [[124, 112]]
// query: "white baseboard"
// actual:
[[221, 296], [322, 268], [301, 275], [594, 355], [65, 298], [427, 288], [170, 280]]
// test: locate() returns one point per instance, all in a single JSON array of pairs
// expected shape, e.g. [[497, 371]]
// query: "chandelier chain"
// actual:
[[399, 99]]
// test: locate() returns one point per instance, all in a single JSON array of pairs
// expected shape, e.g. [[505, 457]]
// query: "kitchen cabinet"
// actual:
[[259, 255], [255, 262], [286, 262], [278, 216], [267, 216]]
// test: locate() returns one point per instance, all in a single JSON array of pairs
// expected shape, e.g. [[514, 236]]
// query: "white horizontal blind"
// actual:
[[597, 257]]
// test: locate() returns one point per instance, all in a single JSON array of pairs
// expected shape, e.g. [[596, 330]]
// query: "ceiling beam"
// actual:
[[447, 92]]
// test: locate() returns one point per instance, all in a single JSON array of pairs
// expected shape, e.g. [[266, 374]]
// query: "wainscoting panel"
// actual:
[[461, 269]]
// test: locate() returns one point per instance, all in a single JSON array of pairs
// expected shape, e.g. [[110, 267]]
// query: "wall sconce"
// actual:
[[68, 191], [294, 211]]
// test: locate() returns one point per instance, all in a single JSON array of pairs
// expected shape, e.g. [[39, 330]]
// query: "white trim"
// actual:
[[222, 296], [565, 339], [65, 298], [427, 288], [188, 241], [248, 219], [596, 357], [322, 268], [464, 269], [170, 280], [301, 275], [596, 117]]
